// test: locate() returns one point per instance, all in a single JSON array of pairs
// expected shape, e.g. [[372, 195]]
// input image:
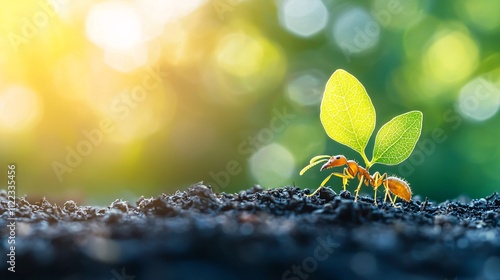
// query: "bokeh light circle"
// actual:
[[272, 165], [21, 107], [303, 18], [451, 57], [245, 65], [355, 31], [304, 139], [398, 15], [479, 100], [234, 51], [114, 25], [306, 88], [481, 13]]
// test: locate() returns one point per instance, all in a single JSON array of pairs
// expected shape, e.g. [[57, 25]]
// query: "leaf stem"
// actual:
[[367, 162]]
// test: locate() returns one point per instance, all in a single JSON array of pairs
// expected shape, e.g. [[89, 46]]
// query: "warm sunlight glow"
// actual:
[[126, 61], [114, 25], [240, 54], [167, 10], [20, 107]]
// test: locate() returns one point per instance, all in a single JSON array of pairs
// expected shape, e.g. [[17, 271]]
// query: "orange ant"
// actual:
[[394, 185]]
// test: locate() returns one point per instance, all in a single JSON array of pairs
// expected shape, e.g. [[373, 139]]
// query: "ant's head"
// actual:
[[334, 161]]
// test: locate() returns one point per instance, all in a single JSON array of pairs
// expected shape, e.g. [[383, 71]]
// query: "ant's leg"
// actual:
[[393, 201], [375, 184], [345, 177], [387, 191], [322, 184], [326, 180], [357, 190], [378, 180], [313, 193], [387, 194]]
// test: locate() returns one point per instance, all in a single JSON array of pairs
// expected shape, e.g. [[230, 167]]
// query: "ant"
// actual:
[[394, 185]]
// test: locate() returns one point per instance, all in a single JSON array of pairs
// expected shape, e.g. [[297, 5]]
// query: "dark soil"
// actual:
[[255, 234]]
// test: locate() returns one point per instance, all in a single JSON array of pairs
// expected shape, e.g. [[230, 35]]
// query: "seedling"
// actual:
[[348, 117]]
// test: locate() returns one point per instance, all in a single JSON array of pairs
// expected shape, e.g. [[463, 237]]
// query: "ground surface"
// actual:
[[255, 234]]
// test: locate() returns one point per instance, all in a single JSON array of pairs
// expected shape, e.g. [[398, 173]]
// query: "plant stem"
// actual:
[[367, 162], [368, 165]]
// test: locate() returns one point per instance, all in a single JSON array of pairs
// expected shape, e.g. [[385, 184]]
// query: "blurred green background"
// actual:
[[116, 99]]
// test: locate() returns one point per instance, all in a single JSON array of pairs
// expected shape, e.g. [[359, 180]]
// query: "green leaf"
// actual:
[[396, 139], [347, 112]]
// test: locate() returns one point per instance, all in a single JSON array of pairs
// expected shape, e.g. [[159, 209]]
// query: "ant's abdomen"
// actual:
[[399, 187]]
